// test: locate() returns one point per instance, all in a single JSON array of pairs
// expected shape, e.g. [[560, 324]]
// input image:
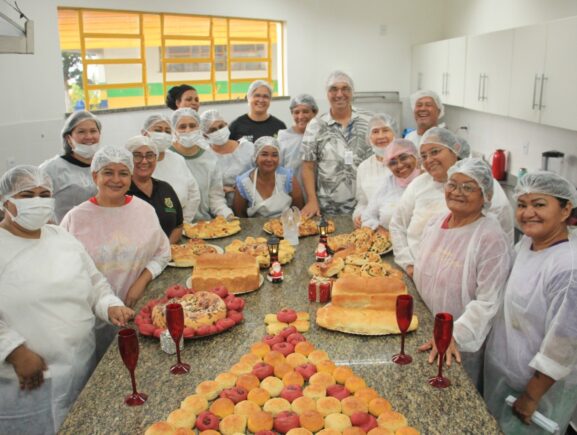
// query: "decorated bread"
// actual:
[[239, 273], [200, 308], [185, 255], [258, 248], [218, 227], [307, 227]]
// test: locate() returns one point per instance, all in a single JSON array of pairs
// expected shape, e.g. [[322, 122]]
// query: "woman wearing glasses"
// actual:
[[462, 264], [403, 161], [424, 197]]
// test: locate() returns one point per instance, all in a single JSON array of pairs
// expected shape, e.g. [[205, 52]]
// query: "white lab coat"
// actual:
[[382, 204], [424, 198], [50, 291], [371, 174], [234, 164], [536, 330], [414, 137], [463, 271], [174, 171]]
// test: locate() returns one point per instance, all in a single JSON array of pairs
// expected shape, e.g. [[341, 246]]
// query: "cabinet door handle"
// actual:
[[479, 88], [484, 91], [537, 78], [541, 105], [419, 80], [447, 85]]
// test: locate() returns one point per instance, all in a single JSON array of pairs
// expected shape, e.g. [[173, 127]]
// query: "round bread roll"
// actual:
[[273, 385], [260, 421], [315, 391], [380, 431], [322, 378], [273, 357], [222, 407], [352, 404], [316, 356], [246, 408], [182, 417], [407, 431], [329, 431], [303, 404], [196, 403], [208, 389], [304, 347], [296, 359], [258, 396], [355, 383], [303, 315], [232, 424], [301, 325], [249, 358], [276, 405], [326, 366], [366, 394], [160, 428], [270, 318], [209, 432], [354, 431], [299, 431], [312, 420], [293, 378], [328, 405], [379, 405], [337, 421], [342, 373], [282, 368], [226, 380], [275, 328], [247, 381], [260, 349], [391, 420], [241, 368]]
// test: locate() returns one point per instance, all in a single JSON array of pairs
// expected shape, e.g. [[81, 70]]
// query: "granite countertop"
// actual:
[[99, 409]]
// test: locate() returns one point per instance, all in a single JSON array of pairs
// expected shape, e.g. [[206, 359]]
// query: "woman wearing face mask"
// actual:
[[269, 189], [202, 163], [402, 159], [233, 157], [372, 172], [182, 96], [171, 166], [120, 232], [70, 172], [47, 315], [159, 194]]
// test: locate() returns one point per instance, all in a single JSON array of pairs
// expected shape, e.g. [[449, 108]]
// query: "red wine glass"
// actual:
[[443, 333], [128, 347], [175, 323], [404, 316]]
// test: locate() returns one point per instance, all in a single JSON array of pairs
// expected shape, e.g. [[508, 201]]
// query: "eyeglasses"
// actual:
[[139, 157], [343, 89], [401, 158], [433, 153], [464, 188]]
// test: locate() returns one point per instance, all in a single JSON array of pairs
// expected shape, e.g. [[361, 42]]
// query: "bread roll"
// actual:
[[222, 407], [337, 421], [232, 424], [260, 421], [303, 404], [312, 420], [208, 389], [328, 405], [276, 405], [391, 420], [196, 403], [160, 428]]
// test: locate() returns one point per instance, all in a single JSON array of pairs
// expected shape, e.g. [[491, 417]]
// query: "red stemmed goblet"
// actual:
[[443, 333], [404, 317], [128, 347], [175, 323]]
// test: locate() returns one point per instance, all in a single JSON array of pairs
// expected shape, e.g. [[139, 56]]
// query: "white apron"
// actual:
[[273, 205]]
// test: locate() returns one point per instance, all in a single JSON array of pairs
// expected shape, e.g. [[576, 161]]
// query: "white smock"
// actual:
[[275, 204], [291, 152], [174, 171], [383, 203], [463, 271], [371, 174], [536, 329], [122, 241], [50, 291], [71, 184], [205, 168], [234, 164], [414, 137], [424, 198]]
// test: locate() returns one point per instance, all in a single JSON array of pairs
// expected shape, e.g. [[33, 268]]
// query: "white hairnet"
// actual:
[[400, 146], [72, 121], [424, 93], [263, 141], [547, 183], [478, 170], [304, 99], [208, 117], [181, 113], [110, 154], [382, 120], [138, 141], [448, 139], [339, 77], [465, 148], [257, 84], [22, 177], [153, 120]]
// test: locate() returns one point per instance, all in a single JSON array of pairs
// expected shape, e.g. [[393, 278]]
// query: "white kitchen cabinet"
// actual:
[[488, 72], [455, 71]]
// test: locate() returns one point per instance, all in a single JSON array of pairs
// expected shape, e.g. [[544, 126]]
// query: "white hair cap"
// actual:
[[400, 146], [339, 77], [110, 154], [442, 136], [382, 119], [138, 141], [20, 178], [305, 100], [262, 142], [548, 183], [257, 84], [424, 93], [208, 118], [478, 170], [181, 113], [152, 120]]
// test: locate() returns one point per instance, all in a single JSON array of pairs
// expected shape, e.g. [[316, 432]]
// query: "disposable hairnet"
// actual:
[[304, 99], [424, 93], [547, 183], [339, 77], [72, 121], [257, 84], [22, 177], [465, 148], [208, 118], [263, 141], [478, 170], [138, 141], [382, 120], [180, 113], [110, 154], [175, 93], [400, 146], [446, 138], [152, 120]]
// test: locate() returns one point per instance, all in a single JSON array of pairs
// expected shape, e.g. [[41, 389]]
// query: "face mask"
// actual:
[[161, 140], [379, 151], [32, 213], [219, 137], [190, 139], [83, 150]]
